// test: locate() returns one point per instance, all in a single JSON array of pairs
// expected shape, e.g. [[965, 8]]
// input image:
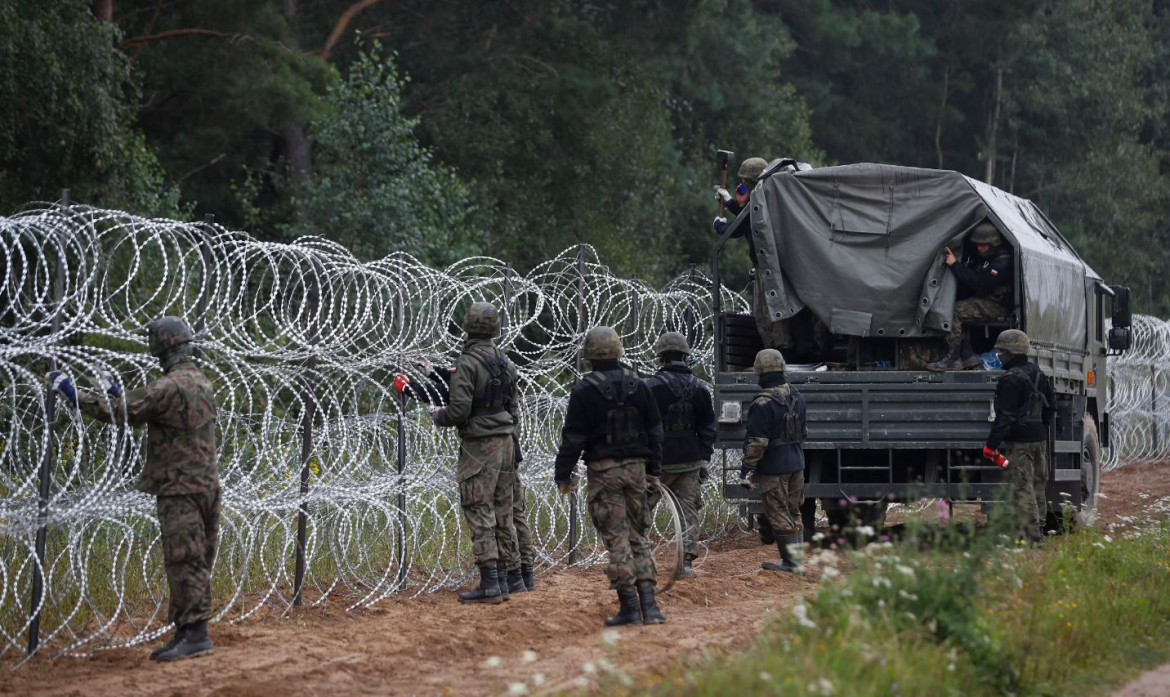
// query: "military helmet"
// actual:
[[985, 233], [769, 361], [1013, 341], [602, 343], [751, 168], [165, 333], [482, 319], [671, 341]]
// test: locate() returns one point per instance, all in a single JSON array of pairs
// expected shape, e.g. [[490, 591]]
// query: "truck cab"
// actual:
[[850, 281]]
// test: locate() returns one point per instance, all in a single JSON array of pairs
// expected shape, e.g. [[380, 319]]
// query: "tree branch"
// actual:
[[170, 35], [342, 23]]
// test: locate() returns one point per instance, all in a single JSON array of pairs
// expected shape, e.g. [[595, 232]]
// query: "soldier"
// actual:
[[773, 454], [688, 423], [612, 418], [180, 470], [749, 173], [484, 407], [438, 392], [985, 294], [1024, 405]]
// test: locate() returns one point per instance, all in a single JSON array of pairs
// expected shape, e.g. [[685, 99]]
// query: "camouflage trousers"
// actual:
[[971, 310], [189, 525], [782, 495], [486, 473], [1027, 476], [617, 499], [520, 523], [687, 488]]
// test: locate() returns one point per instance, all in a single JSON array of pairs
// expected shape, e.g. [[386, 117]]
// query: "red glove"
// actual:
[[997, 457], [400, 381]]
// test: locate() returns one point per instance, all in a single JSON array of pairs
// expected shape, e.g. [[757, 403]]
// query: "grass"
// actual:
[[961, 616]]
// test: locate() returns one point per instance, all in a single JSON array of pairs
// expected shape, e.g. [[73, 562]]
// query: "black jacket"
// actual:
[[989, 277], [696, 441], [584, 428], [1011, 396], [741, 226], [765, 422]]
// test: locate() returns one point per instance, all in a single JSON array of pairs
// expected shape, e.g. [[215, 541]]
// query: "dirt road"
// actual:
[[432, 645]]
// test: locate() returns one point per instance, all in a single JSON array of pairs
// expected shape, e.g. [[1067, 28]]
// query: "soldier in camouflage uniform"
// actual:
[[688, 423], [612, 422], [985, 294], [179, 411], [1024, 405], [773, 454], [484, 407]]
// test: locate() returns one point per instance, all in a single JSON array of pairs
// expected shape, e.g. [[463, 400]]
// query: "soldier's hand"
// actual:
[[723, 194], [565, 488], [950, 257], [719, 225], [60, 381], [747, 481]]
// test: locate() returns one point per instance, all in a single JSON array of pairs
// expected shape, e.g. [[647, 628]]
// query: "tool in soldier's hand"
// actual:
[[997, 457], [722, 156], [400, 381]]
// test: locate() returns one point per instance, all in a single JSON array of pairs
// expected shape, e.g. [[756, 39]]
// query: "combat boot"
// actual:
[[488, 590], [650, 612], [194, 643], [502, 579], [516, 582], [787, 563], [968, 359], [526, 574], [629, 612], [175, 638], [687, 571], [948, 363]]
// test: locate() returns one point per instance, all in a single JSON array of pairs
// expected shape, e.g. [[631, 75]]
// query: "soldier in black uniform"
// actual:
[[688, 422], [985, 294], [1024, 405], [612, 422]]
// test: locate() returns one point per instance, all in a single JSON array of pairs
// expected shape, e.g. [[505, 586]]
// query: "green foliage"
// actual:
[[67, 101], [374, 188]]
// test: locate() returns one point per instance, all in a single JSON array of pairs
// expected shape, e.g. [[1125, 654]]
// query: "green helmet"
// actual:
[[602, 343], [769, 361], [482, 319], [671, 341], [165, 333], [751, 168], [985, 233], [1013, 341]]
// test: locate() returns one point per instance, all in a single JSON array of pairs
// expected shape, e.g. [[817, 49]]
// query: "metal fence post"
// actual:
[[403, 567], [205, 290], [46, 480], [573, 503], [1154, 409], [308, 415]]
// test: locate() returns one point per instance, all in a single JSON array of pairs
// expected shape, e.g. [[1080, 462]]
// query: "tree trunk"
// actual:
[[296, 137], [104, 10], [993, 128]]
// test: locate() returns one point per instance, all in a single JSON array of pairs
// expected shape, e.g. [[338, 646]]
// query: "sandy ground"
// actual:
[[432, 645]]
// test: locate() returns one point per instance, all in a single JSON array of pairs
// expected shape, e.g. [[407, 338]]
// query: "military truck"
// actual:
[[849, 264]]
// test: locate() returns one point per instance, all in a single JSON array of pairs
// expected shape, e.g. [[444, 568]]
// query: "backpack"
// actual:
[[623, 422], [497, 396]]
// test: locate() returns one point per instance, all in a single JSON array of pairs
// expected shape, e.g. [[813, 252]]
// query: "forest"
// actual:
[[516, 128]]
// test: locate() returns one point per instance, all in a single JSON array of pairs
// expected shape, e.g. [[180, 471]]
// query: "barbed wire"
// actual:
[[283, 326]]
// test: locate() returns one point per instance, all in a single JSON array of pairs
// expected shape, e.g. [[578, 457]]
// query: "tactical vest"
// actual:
[[497, 395], [1032, 411], [679, 418], [623, 422], [790, 430]]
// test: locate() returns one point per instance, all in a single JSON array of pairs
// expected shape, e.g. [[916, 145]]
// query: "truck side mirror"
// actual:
[[1119, 338], [1122, 314]]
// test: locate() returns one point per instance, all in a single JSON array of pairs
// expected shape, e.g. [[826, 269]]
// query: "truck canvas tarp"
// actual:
[[862, 246]]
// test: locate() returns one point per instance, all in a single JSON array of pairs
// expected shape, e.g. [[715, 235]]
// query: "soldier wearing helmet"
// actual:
[[749, 175], [181, 471], [1024, 405], [985, 293], [483, 404], [688, 423], [773, 455], [612, 422]]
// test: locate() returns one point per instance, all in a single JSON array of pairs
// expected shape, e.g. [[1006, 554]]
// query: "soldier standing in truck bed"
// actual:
[[612, 422], [688, 423]]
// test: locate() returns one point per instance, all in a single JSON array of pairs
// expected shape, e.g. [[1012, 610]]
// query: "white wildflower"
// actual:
[[829, 572], [538, 679], [493, 662], [528, 656], [903, 569], [908, 596], [865, 530], [589, 667], [801, 612], [610, 637], [826, 686], [765, 676], [517, 688]]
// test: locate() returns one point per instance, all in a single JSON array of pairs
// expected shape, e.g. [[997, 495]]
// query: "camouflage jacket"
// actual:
[[179, 412], [470, 379]]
